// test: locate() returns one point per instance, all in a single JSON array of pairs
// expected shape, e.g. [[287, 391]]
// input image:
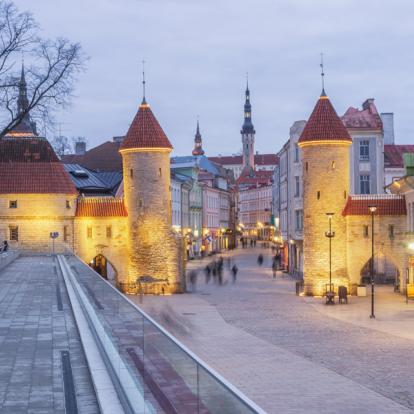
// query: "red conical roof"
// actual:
[[324, 124], [145, 131]]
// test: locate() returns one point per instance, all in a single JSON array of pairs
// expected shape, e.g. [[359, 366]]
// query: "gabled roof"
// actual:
[[387, 205], [393, 155], [367, 118], [145, 131], [30, 166], [104, 157], [250, 177], [259, 159], [324, 124], [100, 207]]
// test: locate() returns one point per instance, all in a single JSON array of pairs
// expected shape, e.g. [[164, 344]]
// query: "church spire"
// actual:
[[22, 101], [248, 131], [198, 144]]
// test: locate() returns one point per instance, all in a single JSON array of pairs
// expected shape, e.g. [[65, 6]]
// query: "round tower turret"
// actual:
[[324, 144]]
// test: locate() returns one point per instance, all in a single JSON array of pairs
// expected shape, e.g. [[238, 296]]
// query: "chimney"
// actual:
[[118, 139], [368, 104], [80, 148], [388, 125]]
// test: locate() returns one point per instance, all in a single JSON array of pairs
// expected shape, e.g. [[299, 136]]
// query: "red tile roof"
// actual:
[[324, 124], [30, 166], [368, 117], [259, 159], [104, 157], [387, 205], [393, 155], [145, 131], [100, 207], [255, 178]]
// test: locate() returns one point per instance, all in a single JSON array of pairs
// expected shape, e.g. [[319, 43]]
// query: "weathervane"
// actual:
[[143, 82], [322, 75]]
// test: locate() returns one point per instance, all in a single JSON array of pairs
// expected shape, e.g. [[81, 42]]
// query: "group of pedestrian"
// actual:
[[245, 242]]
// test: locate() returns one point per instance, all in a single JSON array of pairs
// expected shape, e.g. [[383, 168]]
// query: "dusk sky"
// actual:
[[198, 53]]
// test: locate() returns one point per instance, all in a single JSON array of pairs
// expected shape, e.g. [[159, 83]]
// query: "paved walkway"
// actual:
[[34, 330], [292, 354]]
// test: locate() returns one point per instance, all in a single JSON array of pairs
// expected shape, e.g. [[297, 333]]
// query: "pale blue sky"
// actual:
[[198, 52]]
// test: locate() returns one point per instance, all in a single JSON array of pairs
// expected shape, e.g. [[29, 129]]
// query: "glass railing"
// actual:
[[154, 371]]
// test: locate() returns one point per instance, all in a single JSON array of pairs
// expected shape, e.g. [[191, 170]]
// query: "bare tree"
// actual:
[[61, 145], [50, 75]]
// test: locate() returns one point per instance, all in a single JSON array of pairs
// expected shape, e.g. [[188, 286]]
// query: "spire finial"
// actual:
[[144, 102], [322, 76]]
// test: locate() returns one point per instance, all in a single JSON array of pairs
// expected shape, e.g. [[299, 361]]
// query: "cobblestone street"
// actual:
[[294, 354]]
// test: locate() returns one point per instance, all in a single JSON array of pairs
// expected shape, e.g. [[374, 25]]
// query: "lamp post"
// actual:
[[372, 210], [330, 234]]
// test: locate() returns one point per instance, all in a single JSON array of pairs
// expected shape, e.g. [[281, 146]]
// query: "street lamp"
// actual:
[[372, 210], [330, 234]]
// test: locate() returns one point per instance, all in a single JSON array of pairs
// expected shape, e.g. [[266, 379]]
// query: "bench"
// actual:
[[342, 294]]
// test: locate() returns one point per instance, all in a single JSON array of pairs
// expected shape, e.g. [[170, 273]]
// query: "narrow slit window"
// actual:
[[108, 232], [89, 232], [318, 195], [365, 231], [131, 172], [159, 172]]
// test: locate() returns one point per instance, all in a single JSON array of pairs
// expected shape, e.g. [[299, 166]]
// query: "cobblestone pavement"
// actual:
[[286, 352], [33, 332]]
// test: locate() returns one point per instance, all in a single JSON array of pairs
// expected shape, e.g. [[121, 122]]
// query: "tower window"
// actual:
[[89, 232], [13, 204], [14, 233], [318, 195], [108, 232], [333, 165], [65, 233], [306, 166], [365, 231], [67, 203], [159, 172], [131, 172], [391, 231], [345, 194], [140, 202]]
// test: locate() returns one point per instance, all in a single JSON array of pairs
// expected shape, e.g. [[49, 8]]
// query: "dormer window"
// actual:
[[13, 204]]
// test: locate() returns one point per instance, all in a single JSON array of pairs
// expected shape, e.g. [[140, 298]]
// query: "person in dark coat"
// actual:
[[260, 259], [234, 271]]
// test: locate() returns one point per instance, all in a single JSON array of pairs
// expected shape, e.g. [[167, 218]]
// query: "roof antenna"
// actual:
[[322, 76], [144, 102]]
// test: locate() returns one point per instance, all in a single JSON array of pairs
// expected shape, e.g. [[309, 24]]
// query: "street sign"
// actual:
[[54, 235]]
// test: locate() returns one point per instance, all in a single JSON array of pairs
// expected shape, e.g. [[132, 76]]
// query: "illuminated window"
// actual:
[[14, 233], [89, 232], [108, 232], [13, 204]]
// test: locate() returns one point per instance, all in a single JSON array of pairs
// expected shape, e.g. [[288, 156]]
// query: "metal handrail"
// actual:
[[249, 403]]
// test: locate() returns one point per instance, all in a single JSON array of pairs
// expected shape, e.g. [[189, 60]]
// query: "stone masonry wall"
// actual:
[[325, 190], [36, 216], [153, 248], [385, 247], [112, 244]]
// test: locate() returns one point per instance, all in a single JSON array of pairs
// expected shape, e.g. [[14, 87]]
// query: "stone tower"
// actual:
[[247, 133], [325, 144], [198, 142], [153, 248]]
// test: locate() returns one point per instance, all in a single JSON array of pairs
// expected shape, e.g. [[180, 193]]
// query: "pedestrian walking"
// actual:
[[193, 280], [260, 259], [228, 261], [274, 268], [234, 271], [207, 272]]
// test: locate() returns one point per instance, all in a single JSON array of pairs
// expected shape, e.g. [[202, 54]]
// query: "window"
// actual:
[[131, 172], [67, 203], [391, 231], [365, 230], [333, 165], [159, 172], [297, 185], [296, 153], [298, 220], [109, 231], [364, 184], [306, 166], [364, 150], [345, 194], [13, 204], [89, 232], [14, 233], [140, 202], [318, 195], [65, 233]]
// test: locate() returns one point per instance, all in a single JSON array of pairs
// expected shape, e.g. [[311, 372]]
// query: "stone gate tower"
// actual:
[[153, 248], [325, 144]]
